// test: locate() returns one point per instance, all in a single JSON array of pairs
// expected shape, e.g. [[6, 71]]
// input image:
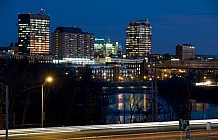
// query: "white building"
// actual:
[[105, 48]]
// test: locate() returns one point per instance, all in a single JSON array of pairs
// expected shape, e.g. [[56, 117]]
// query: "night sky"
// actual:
[[173, 21]]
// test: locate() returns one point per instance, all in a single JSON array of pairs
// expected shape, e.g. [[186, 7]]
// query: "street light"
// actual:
[[48, 79], [7, 105]]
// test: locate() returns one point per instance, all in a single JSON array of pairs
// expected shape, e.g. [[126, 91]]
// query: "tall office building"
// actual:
[[72, 42], [185, 52], [34, 34], [138, 39]]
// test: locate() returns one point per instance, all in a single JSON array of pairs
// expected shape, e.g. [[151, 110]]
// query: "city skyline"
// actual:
[[173, 22]]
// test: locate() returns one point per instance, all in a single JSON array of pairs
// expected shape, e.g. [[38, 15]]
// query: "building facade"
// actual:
[[138, 39], [185, 52], [72, 42], [106, 48], [34, 34], [136, 69]]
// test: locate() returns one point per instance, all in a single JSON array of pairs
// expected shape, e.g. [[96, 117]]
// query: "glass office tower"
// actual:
[[34, 34], [138, 39]]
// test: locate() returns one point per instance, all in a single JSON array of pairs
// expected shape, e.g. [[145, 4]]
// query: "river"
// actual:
[[134, 102]]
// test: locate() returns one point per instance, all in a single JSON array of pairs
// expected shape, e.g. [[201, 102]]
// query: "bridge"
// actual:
[[188, 65], [127, 87]]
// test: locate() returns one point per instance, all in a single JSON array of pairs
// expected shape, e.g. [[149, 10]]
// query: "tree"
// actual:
[[131, 107], [78, 96], [176, 93]]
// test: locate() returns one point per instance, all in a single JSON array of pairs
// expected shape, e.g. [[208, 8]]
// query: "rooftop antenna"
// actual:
[[108, 39], [147, 21], [42, 11]]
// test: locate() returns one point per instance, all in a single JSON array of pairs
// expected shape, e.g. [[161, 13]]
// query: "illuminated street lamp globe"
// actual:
[[49, 79]]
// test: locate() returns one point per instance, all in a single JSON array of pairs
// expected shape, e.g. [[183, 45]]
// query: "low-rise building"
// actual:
[[185, 52]]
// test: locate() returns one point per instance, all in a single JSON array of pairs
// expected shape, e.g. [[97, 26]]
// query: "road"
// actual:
[[141, 131], [171, 135]]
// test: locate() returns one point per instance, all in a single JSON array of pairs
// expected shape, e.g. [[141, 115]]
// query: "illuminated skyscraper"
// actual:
[[34, 34], [138, 39]]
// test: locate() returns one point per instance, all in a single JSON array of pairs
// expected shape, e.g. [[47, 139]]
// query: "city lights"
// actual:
[[207, 83]]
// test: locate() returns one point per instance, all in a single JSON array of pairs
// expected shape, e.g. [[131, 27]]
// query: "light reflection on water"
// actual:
[[204, 110], [128, 104]]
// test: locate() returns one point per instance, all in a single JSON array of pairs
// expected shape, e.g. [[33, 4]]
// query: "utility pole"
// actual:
[[154, 88], [42, 113], [7, 106]]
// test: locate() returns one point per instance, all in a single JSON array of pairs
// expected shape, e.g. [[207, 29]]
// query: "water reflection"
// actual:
[[128, 104], [128, 107], [134, 103], [201, 110]]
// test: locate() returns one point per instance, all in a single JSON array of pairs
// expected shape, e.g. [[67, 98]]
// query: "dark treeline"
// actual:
[[179, 92], [71, 99]]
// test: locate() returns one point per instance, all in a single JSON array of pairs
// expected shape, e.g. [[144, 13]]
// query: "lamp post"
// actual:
[[7, 105], [48, 79]]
